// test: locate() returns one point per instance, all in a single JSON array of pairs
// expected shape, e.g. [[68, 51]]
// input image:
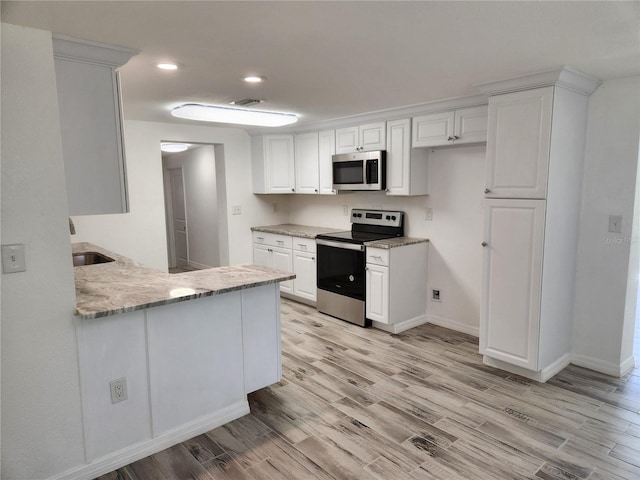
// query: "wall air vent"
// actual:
[[245, 102]]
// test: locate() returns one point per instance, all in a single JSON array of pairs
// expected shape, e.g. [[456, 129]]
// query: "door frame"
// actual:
[[168, 203]]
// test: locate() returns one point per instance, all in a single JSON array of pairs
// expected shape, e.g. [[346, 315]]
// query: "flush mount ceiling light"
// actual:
[[253, 79], [167, 66], [173, 147], [241, 116]]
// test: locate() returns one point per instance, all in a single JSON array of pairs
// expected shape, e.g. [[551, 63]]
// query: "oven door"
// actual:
[[341, 268]]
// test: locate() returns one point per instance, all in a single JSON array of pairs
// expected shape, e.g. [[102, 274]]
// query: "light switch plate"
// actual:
[[13, 258]]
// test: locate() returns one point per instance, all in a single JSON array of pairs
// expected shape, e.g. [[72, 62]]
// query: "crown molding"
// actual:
[[566, 77], [69, 48]]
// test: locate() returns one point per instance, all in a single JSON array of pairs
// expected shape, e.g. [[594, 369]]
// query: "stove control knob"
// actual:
[[393, 218], [388, 217]]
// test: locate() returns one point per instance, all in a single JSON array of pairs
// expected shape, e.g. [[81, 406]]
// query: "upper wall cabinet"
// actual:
[[91, 124], [406, 166], [360, 138], [272, 161], [326, 149], [466, 125], [306, 163]]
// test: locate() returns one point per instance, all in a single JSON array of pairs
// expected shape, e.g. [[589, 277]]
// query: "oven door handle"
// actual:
[[344, 245]]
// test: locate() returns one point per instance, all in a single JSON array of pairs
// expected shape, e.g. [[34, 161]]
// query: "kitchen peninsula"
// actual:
[[166, 357]]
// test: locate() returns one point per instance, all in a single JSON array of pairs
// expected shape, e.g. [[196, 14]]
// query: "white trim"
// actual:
[[113, 461], [454, 325], [540, 376], [401, 326], [199, 266], [565, 77], [69, 48], [601, 366]]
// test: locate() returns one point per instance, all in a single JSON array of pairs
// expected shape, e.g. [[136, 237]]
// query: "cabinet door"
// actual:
[[372, 136], [347, 140], [279, 163], [433, 130], [262, 255], [398, 156], [283, 260], [304, 266], [512, 274], [470, 125], [306, 163], [518, 144], [377, 303], [261, 337], [326, 149]]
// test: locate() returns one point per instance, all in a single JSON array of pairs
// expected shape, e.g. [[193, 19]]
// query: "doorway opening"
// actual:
[[195, 207]]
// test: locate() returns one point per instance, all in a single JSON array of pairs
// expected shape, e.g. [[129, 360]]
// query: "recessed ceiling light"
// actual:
[[241, 116], [253, 79], [173, 147], [167, 66]]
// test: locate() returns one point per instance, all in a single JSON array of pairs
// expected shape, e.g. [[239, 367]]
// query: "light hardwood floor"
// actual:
[[360, 403]]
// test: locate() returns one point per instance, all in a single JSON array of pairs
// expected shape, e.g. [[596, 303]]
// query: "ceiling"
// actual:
[[329, 60]]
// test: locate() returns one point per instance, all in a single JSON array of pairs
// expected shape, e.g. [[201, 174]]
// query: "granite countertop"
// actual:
[[395, 242], [124, 285], [303, 231]]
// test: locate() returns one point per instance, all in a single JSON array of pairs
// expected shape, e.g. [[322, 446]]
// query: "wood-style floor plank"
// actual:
[[358, 403]]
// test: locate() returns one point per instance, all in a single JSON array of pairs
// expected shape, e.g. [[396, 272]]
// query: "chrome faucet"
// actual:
[[72, 227]]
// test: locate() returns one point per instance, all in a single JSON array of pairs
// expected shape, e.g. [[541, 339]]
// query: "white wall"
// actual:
[[141, 233], [201, 203], [456, 186], [41, 415], [609, 187]]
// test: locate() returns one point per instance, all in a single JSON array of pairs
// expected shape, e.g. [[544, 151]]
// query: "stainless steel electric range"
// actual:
[[341, 274]]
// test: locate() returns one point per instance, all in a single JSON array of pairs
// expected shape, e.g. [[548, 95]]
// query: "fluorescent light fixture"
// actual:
[[253, 79], [241, 116], [167, 66], [173, 147]]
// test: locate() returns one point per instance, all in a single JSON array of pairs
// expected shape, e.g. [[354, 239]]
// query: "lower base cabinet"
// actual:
[[397, 286], [188, 368]]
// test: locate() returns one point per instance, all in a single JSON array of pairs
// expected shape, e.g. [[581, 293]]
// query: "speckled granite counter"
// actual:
[[303, 231], [124, 285], [395, 242]]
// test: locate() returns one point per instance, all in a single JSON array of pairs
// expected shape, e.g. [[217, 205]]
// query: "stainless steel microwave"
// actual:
[[359, 171]]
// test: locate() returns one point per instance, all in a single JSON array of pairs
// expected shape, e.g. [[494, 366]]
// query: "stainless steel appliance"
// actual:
[[359, 171], [341, 277]]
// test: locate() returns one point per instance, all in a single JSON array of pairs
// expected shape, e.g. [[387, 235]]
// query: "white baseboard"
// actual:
[[608, 368], [454, 325], [199, 266], [401, 326], [541, 376], [130, 454]]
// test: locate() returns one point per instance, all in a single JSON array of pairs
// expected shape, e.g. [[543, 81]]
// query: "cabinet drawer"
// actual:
[[272, 239], [378, 256], [304, 244]]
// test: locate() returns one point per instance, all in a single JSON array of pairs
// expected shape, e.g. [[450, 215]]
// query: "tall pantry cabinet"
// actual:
[[535, 152]]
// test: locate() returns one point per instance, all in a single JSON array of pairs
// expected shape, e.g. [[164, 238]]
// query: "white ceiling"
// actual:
[[327, 60]]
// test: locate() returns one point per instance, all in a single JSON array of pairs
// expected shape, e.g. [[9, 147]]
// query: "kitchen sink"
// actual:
[[90, 258]]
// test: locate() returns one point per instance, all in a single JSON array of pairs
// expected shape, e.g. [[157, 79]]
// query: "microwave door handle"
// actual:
[[367, 172]]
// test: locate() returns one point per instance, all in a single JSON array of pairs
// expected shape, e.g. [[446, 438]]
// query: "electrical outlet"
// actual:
[[435, 295], [428, 214], [236, 210], [615, 223], [118, 390], [345, 210], [13, 258]]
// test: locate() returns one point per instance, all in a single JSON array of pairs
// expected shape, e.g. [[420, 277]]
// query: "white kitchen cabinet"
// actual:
[[535, 155], [304, 266], [367, 137], [273, 164], [397, 286], [519, 143], [406, 167], [91, 124], [458, 127], [274, 251], [306, 160], [512, 276], [261, 337], [326, 149]]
